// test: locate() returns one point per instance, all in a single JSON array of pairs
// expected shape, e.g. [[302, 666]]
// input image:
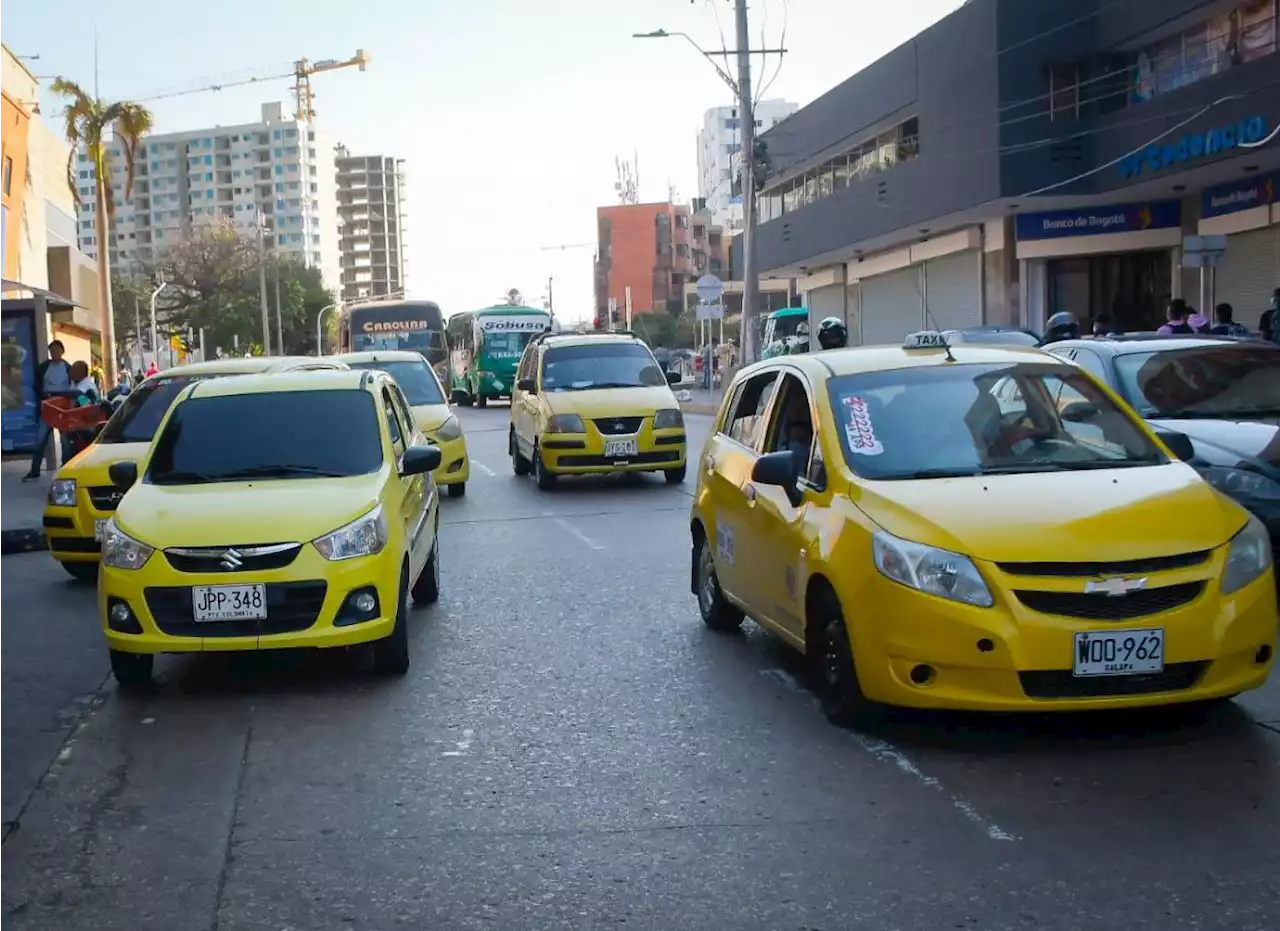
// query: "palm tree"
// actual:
[[514, 297], [87, 120]]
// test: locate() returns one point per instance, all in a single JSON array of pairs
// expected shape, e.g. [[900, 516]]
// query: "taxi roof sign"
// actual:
[[925, 339]]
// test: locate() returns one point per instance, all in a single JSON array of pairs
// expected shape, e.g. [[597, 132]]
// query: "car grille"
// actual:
[[1175, 677], [1086, 569], [257, 557], [291, 606], [570, 460], [618, 426], [1098, 606], [105, 497]]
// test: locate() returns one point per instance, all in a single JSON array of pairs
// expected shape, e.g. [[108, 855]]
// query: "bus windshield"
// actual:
[[506, 344], [417, 326]]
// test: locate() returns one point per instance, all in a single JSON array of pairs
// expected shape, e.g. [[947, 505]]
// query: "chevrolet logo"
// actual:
[[1114, 587], [231, 559]]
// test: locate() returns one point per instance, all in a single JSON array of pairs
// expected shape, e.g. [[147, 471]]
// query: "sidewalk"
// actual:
[[21, 507]]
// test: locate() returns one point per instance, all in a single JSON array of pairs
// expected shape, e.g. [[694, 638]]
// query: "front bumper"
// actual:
[[307, 605], [455, 466], [1010, 658], [71, 532], [584, 453]]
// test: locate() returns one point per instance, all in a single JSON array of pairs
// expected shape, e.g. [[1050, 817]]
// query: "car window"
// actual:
[[600, 365], [394, 424], [415, 379], [527, 362], [268, 435], [406, 415], [139, 416], [791, 424], [975, 419], [1091, 362], [1227, 380], [745, 422]]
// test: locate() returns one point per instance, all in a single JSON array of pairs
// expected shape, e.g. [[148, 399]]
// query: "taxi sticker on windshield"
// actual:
[[860, 432]]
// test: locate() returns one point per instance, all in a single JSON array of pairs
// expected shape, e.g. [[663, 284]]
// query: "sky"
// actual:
[[509, 113]]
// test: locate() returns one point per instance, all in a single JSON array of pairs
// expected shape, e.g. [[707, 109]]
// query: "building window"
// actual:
[[8, 173]]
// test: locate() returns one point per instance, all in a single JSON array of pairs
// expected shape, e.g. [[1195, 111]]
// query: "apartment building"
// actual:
[[719, 153], [371, 211], [278, 168]]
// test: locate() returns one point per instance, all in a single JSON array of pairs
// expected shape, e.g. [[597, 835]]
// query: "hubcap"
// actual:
[[707, 574]]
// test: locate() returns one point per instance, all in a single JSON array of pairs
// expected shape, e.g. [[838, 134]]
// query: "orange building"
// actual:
[[13, 138], [648, 248]]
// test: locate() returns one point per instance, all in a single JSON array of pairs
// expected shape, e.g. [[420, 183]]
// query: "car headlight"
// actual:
[[1241, 483], [665, 420], [451, 429], [1248, 556], [364, 536], [121, 551], [930, 570], [566, 423], [62, 493]]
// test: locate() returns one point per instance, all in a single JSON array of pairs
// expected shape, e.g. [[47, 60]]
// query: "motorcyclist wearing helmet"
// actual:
[[833, 334], [1062, 325]]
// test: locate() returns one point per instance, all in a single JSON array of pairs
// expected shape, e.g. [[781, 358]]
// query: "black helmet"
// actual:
[[832, 333], [1062, 325]]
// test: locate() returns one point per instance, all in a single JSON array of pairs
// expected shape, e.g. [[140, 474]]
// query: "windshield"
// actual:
[[996, 337], [1229, 380], [144, 407], [509, 345], [612, 365], [957, 420], [285, 434], [416, 340], [785, 326], [415, 379]]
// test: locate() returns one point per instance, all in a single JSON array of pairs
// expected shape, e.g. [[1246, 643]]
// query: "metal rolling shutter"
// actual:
[[891, 306], [1249, 272], [823, 303], [854, 321], [953, 289]]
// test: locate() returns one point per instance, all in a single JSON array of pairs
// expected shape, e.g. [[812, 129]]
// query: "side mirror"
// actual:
[[123, 474], [527, 384], [1079, 412], [673, 378], [1179, 444], [420, 459], [778, 469]]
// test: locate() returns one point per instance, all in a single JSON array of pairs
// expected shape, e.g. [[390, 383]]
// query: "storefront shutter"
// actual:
[[953, 289], [823, 303], [891, 306], [1249, 272], [854, 315]]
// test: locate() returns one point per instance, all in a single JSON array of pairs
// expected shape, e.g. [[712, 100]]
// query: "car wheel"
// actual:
[[546, 479], [831, 666], [426, 589], [519, 464], [82, 571], [391, 654], [464, 399], [458, 490], [675, 476], [482, 401], [132, 670], [715, 609]]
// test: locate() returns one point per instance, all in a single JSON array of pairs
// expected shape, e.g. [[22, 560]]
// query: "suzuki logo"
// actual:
[[1114, 587], [231, 559], [115, 497]]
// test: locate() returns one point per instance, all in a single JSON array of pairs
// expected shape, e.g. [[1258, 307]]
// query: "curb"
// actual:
[[24, 540]]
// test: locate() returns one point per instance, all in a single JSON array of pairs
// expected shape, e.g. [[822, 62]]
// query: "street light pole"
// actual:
[[155, 340], [279, 318], [319, 331], [262, 283], [551, 303], [747, 120]]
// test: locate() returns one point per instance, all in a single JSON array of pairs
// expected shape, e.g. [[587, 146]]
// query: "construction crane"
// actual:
[[303, 68]]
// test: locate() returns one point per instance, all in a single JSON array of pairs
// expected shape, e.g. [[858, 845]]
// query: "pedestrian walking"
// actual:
[[1224, 314], [1177, 316], [53, 377], [152, 369]]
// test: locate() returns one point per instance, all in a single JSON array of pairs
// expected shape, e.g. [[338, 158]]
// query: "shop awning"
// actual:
[[52, 300]]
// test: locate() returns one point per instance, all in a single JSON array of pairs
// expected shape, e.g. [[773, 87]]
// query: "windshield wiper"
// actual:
[[284, 470], [1184, 415], [940, 472], [179, 477]]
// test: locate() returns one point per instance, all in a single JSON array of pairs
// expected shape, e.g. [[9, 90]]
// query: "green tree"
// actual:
[[87, 120], [514, 297]]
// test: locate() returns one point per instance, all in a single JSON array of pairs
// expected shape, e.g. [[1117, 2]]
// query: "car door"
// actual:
[[728, 461], [400, 501], [423, 488], [524, 403]]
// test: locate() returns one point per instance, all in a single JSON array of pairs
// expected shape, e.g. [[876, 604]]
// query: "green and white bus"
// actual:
[[485, 347]]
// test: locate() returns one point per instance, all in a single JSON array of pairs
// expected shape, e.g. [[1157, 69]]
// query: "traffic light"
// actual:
[[763, 167]]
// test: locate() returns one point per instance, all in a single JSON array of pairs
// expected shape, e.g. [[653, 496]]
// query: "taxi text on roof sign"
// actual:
[[925, 339]]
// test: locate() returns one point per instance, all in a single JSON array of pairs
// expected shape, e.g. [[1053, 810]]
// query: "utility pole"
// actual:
[[262, 283], [279, 318], [551, 304], [747, 120], [137, 331]]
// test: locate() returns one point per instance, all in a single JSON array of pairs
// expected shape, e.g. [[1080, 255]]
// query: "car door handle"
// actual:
[[750, 494], [711, 464]]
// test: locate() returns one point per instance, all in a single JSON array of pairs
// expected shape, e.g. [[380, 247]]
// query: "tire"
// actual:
[[464, 399], [675, 476], [832, 670], [86, 572], [132, 670], [546, 480], [391, 654], [426, 588], [457, 490], [481, 401], [715, 609], [519, 464]]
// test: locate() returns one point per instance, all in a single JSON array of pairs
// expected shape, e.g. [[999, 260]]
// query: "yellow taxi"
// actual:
[[594, 402], [246, 526], [974, 527], [81, 497], [431, 410]]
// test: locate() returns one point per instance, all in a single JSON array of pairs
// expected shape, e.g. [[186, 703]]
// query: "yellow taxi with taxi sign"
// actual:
[[974, 527]]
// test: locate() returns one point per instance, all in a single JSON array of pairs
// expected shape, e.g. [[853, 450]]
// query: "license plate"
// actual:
[[1119, 652], [99, 528], [229, 602], [622, 447]]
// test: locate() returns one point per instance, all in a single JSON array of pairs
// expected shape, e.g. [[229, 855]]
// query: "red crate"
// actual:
[[61, 414]]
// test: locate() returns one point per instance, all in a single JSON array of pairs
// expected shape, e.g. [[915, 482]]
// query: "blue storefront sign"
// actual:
[[1240, 195], [1094, 221], [19, 416], [1195, 146]]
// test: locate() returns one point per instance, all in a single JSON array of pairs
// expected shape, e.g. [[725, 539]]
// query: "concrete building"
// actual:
[[1018, 159], [280, 166], [371, 211], [719, 148]]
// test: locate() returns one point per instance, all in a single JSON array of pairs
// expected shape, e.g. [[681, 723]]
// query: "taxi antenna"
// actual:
[[924, 302]]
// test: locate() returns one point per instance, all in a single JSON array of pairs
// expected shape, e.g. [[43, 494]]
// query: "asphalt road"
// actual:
[[572, 749]]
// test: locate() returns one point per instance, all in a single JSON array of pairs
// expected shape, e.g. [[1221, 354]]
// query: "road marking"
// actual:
[[883, 750], [576, 532], [483, 468], [462, 745]]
